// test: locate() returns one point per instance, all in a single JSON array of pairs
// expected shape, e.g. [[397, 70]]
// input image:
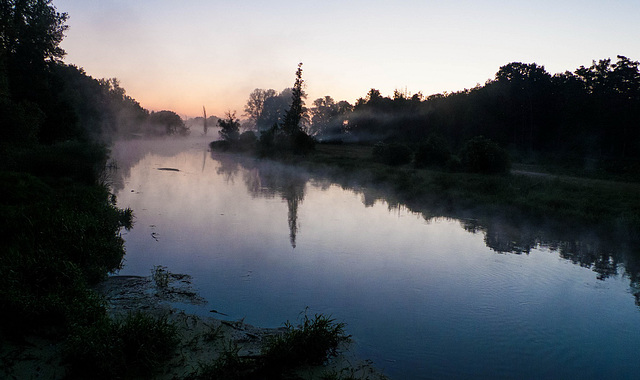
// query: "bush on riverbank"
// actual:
[[312, 342], [432, 152], [60, 237], [481, 155]]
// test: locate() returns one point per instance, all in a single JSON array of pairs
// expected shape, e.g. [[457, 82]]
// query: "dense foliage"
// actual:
[[481, 155], [583, 119], [43, 100], [289, 135], [165, 123], [432, 152], [229, 128], [61, 228]]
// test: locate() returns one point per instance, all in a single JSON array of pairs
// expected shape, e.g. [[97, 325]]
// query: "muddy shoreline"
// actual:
[[202, 338]]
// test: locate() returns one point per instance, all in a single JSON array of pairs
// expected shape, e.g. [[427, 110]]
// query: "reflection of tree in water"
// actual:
[[606, 256], [228, 169], [267, 179], [603, 255], [294, 196]]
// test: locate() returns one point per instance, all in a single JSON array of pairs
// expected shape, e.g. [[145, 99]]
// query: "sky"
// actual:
[[182, 55]]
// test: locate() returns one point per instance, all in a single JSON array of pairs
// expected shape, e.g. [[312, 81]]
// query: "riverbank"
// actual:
[[59, 320], [612, 207], [203, 346], [203, 340]]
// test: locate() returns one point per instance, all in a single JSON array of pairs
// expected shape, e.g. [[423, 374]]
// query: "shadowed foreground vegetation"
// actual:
[[312, 342]]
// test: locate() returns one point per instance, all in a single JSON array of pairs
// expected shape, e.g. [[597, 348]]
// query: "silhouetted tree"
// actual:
[[328, 118], [274, 110], [229, 128], [526, 87], [166, 122], [127, 117], [290, 134], [255, 105], [30, 35], [613, 104], [291, 123]]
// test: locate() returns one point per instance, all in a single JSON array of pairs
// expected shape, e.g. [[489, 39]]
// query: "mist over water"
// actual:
[[424, 296]]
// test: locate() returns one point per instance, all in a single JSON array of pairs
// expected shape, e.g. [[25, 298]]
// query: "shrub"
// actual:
[[432, 152], [229, 128], [302, 142], [58, 240], [453, 164], [312, 342], [220, 145], [481, 155], [267, 140], [276, 141], [247, 140]]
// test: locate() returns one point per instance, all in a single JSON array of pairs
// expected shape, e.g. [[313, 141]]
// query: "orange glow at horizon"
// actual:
[[183, 55]]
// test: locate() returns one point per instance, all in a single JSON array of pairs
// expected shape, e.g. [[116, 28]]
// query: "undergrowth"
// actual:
[[59, 238], [136, 346], [312, 342]]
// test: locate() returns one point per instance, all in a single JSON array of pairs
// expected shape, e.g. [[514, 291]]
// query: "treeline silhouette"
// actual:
[[588, 118], [43, 100]]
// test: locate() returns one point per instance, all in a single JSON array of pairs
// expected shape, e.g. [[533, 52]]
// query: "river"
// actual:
[[423, 296]]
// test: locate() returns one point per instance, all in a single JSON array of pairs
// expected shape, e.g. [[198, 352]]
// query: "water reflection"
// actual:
[[604, 255], [267, 180], [416, 284]]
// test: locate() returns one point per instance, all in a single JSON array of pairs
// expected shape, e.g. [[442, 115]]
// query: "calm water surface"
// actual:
[[423, 298]]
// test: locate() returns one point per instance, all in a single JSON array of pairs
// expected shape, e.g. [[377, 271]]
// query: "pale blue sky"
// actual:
[[180, 55]]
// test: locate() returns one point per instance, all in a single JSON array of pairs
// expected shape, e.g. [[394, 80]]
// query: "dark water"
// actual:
[[433, 297]]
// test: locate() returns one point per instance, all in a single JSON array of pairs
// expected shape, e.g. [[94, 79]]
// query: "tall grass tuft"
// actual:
[[312, 342]]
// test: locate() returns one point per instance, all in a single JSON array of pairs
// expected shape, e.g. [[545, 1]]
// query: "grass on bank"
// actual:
[[312, 342]]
